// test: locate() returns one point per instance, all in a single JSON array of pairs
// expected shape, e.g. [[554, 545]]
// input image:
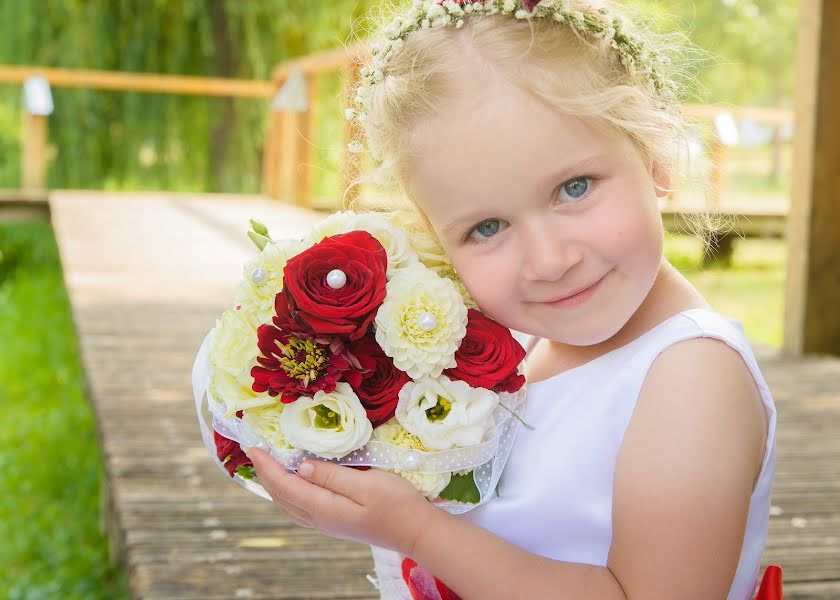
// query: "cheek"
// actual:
[[632, 235], [485, 279]]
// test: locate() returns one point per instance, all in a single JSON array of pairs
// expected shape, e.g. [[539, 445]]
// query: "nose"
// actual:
[[547, 256]]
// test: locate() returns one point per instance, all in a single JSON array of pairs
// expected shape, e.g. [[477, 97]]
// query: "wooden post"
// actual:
[[812, 320], [271, 155], [352, 133], [306, 146], [33, 159], [37, 106]]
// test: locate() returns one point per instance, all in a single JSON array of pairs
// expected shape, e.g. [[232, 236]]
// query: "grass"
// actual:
[[751, 290], [51, 545]]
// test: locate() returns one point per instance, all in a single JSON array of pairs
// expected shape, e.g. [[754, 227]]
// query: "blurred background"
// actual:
[[104, 135]]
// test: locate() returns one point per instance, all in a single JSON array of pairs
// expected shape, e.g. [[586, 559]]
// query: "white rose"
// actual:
[[421, 322], [329, 226], [234, 342], [330, 425], [444, 413]]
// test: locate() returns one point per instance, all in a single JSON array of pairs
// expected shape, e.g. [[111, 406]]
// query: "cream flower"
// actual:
[[330, 425], [444, 413], [235, 393], [329, 226], [265, 422], [263, 279], [393, 239], [234, 342], [428, 484], [421, 322]]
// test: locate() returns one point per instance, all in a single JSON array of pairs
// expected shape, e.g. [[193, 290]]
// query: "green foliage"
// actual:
[[50, 542], [462, 488], [752, 44], [750, 290], [146, 141]]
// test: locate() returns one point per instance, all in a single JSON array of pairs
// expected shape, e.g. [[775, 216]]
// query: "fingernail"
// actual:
[[306, 469]]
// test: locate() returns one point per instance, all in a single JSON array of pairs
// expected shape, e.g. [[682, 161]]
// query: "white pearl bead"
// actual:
[[259, 275], [410, 460], [336, 279], [427, 321]]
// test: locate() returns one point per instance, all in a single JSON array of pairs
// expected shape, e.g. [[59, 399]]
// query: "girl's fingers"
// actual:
[[295, 490], [341, 480], [293, 513]]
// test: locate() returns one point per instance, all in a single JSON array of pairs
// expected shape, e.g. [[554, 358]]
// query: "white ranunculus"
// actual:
[[330, 425], [263, 279], [445, 414], [265, 422], [415, 299], [234, 342], [235, 393]]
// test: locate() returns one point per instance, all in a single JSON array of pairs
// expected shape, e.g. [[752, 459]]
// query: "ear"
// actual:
[[661, 180]]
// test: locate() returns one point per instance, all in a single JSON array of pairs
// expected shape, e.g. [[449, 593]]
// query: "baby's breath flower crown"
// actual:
[[646, 65]]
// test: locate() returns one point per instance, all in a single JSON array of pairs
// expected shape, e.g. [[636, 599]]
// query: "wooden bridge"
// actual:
[[147, 276]]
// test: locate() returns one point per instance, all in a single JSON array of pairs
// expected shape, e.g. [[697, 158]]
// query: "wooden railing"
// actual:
[[292, 95]]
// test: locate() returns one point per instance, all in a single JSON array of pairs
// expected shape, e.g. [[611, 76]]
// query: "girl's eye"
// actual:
[[485, 229], [574, 189]]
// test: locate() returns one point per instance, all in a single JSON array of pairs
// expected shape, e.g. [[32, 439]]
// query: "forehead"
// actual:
[[494, 143]]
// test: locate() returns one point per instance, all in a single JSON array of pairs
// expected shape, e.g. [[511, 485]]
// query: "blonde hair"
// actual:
[[579, 75]]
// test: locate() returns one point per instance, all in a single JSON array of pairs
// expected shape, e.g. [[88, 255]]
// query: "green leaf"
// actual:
[[245, 471], [462, 488]]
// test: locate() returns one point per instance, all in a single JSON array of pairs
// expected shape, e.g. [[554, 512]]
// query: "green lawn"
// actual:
[[51, 545], [751, 290]]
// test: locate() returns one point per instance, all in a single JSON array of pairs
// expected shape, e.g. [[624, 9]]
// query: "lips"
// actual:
[[576, 291]]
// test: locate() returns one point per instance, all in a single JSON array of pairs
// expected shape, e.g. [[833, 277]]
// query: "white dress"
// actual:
[[555, 494]]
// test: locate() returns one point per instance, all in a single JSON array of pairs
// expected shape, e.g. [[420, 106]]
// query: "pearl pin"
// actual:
[[259, 275], [427, 321], [410, 460], [336, 279]]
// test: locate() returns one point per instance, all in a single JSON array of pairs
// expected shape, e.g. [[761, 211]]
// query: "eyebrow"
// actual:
[[579, 167]]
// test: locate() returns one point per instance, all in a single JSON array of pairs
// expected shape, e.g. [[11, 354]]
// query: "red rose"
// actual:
[[349, 310], [423, 585], [380, 385], [230, 453], [292, 367], [488, 356]]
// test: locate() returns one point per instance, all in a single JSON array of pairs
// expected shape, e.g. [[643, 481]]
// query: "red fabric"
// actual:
[[423, 585], [771, 584]]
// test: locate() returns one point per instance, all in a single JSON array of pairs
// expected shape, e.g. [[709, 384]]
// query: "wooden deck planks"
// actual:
[[149, 273]]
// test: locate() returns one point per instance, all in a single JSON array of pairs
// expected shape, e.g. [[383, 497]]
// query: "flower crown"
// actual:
[[640, 62]]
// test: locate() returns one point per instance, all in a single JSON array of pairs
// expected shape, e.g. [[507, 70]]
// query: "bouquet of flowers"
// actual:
[[359, 344]]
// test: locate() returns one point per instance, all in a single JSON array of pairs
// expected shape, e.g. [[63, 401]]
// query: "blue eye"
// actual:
[[575, 189], [486, 229]]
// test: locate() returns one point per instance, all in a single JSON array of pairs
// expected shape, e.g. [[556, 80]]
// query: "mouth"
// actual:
[[578, 296]]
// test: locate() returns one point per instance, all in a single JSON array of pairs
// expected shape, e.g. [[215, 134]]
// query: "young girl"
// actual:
[[536, 141]]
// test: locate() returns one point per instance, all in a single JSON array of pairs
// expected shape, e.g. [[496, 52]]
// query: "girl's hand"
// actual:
[[375, 507]]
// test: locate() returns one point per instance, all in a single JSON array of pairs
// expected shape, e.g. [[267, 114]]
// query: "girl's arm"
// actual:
[[683, 483]]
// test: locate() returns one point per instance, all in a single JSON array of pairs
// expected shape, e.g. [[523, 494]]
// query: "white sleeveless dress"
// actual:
[[555, 494]]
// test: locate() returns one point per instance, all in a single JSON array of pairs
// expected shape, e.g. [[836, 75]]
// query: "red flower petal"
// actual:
[[771, 584], [423, 585]]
